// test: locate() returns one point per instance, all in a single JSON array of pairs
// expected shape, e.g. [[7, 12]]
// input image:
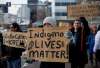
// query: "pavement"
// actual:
[[37, 65], [67, 65]]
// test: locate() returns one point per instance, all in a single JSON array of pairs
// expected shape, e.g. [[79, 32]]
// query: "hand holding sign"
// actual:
[[48, 44]]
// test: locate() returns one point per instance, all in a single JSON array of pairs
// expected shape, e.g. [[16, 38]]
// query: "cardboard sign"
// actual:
[[48, 44], [86, 10], [14, 39]]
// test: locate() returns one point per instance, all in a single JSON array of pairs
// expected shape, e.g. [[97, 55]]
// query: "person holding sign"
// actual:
[[79, 51], [51, 22], [14, 54]]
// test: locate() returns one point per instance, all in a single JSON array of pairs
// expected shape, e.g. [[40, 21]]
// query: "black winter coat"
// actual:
[[75, 53]]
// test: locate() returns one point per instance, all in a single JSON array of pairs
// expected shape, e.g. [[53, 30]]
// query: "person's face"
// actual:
[[13, 29], [93, 28], [77, 24], [47, 25]]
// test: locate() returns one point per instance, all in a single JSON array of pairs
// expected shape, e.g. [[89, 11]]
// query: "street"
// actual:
[[37, 65]]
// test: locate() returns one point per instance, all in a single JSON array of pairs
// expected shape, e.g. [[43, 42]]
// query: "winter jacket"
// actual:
[[91, 42], [97, 42], [3, 63], [79, 48]]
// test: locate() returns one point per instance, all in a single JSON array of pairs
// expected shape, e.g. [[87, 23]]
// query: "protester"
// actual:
[[3, 63], [97, 46], [79, 51], [14, 54], [51, 22], [91, 42]]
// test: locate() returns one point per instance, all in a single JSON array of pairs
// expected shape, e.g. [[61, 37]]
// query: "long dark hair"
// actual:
[[84, 33], [16, 25], [98, 28], [85, 24]]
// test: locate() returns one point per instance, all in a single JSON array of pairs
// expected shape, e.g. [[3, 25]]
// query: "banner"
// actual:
[[14, 39], [48, 44]]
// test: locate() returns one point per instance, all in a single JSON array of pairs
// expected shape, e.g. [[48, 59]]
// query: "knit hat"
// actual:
[[49, 20]]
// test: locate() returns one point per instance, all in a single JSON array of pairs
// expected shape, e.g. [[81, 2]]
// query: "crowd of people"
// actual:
[[84, 45]]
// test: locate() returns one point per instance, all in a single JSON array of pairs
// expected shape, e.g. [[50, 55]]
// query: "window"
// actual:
[[60, 14], [63, 4]]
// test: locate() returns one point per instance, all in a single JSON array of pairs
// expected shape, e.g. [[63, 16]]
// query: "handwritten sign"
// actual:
[[14, 39], [48, 44], [86, 10]]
